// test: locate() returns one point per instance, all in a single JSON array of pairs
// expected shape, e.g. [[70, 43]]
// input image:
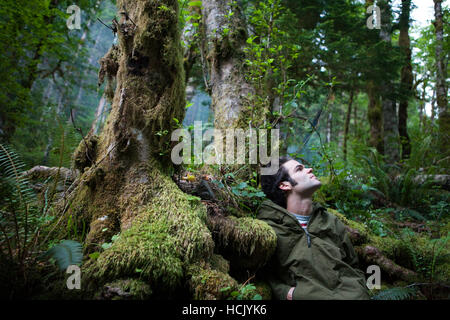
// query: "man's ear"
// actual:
[[285, 186]]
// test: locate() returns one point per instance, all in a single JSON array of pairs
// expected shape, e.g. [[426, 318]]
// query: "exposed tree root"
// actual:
[[373, 255], [43, 172]]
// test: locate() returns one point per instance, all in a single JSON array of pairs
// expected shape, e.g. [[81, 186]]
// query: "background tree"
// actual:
[[390, 119], [441, 79], [406, 79]]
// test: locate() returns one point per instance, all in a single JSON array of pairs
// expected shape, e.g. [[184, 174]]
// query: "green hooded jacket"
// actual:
[[319, 262]]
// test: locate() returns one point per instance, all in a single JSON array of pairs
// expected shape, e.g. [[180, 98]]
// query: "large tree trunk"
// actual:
[[125, 187], [406, 79], [226, 38], [390, 123], [441, 78]]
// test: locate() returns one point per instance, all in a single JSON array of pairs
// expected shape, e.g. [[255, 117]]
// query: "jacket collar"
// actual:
[[271, 211]]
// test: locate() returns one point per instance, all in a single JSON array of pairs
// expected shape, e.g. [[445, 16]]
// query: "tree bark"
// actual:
[[441, 78], [406, 79], [390, 122], [375, 117], [422, 112], [433, 106], [226, 38]]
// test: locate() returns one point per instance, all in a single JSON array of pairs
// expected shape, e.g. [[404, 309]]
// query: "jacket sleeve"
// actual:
[[270, 274], [279, 289]]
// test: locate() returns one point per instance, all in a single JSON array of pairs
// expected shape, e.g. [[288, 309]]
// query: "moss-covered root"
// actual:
[[376, 250], [85, 154], [209, 284], [373, 255], [168, 234], [358, 232], [219, 263], [248, 243]]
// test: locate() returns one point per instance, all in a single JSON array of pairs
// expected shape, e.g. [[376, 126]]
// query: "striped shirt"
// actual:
[[303, 220]]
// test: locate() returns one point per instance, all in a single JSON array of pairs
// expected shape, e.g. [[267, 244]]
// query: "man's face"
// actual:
[[306, 181]]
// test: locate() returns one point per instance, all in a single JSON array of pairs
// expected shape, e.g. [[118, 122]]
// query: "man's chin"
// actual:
[[317, 184], [313, 187]]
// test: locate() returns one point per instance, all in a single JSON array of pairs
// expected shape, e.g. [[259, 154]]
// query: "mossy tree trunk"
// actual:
[[125, 186]]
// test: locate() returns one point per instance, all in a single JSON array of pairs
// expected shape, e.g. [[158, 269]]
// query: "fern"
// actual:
[[18, 213], [11, 170], [67, 253], [441, 244], [397, 293]]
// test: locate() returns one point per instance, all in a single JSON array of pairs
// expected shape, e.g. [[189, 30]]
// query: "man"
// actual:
[[314, 258]]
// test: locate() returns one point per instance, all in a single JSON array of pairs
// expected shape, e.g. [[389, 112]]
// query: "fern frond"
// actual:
[[397, 293], [67, 253], [12, 168]]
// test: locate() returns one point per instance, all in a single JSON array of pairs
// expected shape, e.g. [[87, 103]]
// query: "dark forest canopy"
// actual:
[[86, 117]]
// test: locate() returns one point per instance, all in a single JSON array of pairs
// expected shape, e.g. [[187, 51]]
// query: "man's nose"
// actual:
[[309, 170]]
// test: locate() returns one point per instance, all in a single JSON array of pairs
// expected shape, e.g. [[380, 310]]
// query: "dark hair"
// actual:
[[270, 183]]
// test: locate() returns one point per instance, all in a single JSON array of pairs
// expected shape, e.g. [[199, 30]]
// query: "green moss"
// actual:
[[85, 153], [146, 249], [101, 230], [219, 263], [247, 242], [389, 246], [410, 250], [208, 284], [351, 223], [167, 234]]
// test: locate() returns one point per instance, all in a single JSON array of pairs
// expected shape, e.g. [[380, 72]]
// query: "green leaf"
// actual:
[[106, 245], [193, 198], [234, 294], [94, 255], [67, 253], [242, 185], [195, 4], [397, 293]]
